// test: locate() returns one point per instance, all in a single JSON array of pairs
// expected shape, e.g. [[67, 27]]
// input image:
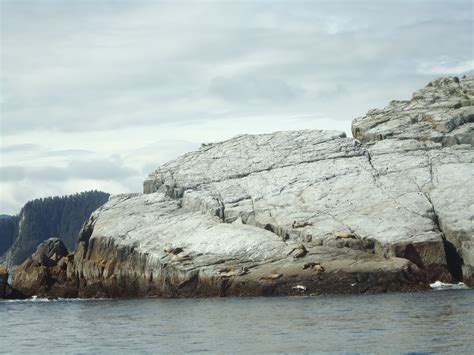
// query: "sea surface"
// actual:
[[424, 322]]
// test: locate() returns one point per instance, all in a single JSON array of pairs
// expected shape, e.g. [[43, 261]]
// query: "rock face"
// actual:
[[301, 212], [441, 112], [3, 281]]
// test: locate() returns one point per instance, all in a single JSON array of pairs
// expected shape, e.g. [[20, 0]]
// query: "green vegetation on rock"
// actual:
[[44, 218]]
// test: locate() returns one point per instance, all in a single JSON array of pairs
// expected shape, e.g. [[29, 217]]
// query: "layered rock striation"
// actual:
[[299, 212]]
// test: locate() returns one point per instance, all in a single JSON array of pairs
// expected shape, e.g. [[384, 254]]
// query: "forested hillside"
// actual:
[[44, 218], [8, 230]]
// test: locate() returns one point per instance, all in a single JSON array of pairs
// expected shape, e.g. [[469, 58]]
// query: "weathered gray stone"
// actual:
[[442, 112]]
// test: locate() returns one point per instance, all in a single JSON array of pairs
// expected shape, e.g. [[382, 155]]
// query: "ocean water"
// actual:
[[425, 322]]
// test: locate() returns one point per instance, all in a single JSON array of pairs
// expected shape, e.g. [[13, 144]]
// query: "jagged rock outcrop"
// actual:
[[442, 112], [289, 213], [45, 272]]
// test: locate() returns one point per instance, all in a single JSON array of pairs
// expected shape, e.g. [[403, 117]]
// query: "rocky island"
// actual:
[[297, 212]]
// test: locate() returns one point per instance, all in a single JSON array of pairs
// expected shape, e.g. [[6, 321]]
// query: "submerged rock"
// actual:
[[387, 215]]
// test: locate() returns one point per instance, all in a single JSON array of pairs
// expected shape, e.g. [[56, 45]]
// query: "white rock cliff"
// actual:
[[263, 214]]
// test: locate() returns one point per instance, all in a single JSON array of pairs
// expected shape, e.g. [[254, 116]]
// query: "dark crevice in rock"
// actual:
[[411, 254], [454, 261]]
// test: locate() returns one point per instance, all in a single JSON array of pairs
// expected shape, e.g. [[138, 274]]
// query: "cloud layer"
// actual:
[[88, 88]]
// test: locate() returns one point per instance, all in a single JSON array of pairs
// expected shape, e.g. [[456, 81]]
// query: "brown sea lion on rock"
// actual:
[[225, 269], [244, 270], [180, 258], [273, 276], [309, 265], [301, 224], [345, 235], [300, 251], [171, 250], [229, 272], [318, 268], [314, 266]]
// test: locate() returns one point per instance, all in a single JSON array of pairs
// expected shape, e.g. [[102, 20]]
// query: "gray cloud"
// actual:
[[79, 66], [254, 89], [18, 148], [91, 169]]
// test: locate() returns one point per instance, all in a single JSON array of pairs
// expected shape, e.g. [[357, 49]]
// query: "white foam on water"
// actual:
[[37, 299], [439, 286]]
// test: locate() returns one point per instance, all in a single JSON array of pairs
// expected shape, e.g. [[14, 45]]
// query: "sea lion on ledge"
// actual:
[[301, 224], [180, 258], [345, 235], [314, 266], [171, 250], [271, 276], [300, 288], [300, 251]]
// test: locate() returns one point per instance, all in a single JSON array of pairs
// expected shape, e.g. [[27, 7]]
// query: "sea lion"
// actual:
[[225, 269], [174, 251], [273, 276], [309, 265], [314, 266], [301, 224], [244, 270], [345, 235], [299, 288], [300, 251], [318, 268], [171, 250], [229, 272], [181, 258]]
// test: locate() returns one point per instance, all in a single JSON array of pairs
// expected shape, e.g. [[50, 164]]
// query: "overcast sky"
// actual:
[[96, 94]]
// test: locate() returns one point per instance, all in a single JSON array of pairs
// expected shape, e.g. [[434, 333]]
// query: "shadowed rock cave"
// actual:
[[411, 254], [454, 261]]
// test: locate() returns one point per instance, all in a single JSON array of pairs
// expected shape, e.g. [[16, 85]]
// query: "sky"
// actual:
[[97, 94]]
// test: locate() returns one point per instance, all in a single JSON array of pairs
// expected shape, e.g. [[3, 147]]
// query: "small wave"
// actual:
[[438, 285], [39, 299]]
